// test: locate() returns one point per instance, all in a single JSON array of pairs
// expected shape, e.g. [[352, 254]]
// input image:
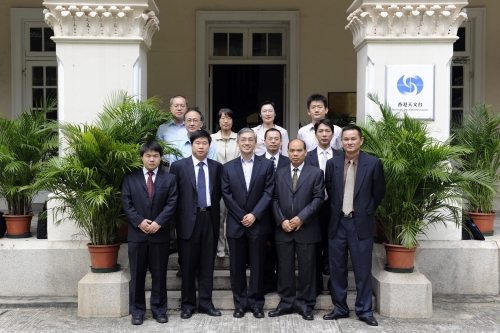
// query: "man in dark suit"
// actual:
[[323, 129], [247, 189], [298, 196], [272, 141], [197, 223], [149, 197], [356, 185]]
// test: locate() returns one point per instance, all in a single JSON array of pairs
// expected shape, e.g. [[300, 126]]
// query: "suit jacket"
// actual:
[[312, 157], [306, 200], [137, 206], [369, 190], [283, 161], [240, 201], [188, 195]]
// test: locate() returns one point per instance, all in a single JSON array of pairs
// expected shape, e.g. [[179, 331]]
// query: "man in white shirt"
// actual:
[[317, 108]]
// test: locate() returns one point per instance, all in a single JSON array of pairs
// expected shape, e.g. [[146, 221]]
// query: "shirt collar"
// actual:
[[355, 159], [299, 167], [145, 171], [268, 156], [329, 150], [196, 161], [172, 123], [249, 161], [218, 135]]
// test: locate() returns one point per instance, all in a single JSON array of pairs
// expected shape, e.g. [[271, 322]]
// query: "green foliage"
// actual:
[[25, 142], [423, 188], [86, 180], [480, 132]]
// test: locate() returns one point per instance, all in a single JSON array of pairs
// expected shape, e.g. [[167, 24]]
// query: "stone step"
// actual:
[[223, 300], [222, 280]]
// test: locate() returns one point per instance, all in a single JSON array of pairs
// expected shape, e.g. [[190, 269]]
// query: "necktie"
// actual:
[[150, 185], [201, 187], [294, 178], [274, 163], [347, 205], [323, 160]]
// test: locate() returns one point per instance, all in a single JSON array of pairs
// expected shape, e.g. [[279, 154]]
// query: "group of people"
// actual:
[[262, 199]]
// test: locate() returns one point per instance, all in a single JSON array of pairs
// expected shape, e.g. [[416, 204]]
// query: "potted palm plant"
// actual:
[[422, 187], [25, 143], [86, 179], [480, 132]]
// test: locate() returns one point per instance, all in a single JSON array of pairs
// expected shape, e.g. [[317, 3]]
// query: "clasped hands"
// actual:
[[149, 227], [291, 225], [248, 220]]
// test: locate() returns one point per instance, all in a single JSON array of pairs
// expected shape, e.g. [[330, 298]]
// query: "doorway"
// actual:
[[242, 88]]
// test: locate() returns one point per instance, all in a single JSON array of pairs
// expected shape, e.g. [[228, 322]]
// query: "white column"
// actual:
[[388, 33], [101, 48]]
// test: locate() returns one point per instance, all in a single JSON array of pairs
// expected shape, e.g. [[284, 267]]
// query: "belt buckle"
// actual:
[[204, 209], [349, 216]]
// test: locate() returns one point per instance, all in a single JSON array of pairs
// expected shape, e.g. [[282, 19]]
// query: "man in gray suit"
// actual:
[[298, 196]]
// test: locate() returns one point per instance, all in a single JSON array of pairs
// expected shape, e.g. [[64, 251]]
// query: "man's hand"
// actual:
[[296, 223], [248, 220], [285, 225], [145, 225], [153, 227]]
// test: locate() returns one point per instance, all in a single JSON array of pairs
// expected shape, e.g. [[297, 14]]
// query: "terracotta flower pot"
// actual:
[[484, 222], [103, 258], [18, 226], [400, 258]]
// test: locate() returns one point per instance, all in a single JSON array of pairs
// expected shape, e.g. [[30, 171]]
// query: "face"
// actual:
[[178, 108], [225, 122], [324, 135], [151, 159], [267, 114], [296, 152], [272, 142], [200, 148], [246, 142], [351, 141], [317, 110], [193, 121]]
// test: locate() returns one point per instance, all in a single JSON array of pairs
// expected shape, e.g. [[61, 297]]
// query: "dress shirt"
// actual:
[[329, 154], [276, 159], [346, 166], [227, 150], [173, 134], [306, 134], [146, 174], [207, 179], [186, 151], [260, 148], [247, 169], [298, 171]]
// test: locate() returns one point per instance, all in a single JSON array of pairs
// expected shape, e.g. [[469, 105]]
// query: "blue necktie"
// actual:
[[201, 187], [274, 159]]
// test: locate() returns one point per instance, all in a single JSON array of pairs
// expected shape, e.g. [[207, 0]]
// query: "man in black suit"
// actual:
[[323, 130], [298, 196], [197, 223], [247, 189], [272, 141], [149, 197], [356, 185]]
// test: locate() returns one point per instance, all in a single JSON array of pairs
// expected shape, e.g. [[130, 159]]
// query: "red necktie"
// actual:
[[150, 185]]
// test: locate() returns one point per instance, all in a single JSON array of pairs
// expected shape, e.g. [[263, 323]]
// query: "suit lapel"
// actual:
[[360, 174], [211, 175], [304, 174], [238, 166], [288, 178], [158, 180], [142, 180], [190, 171], [339, 173], [257, 162]]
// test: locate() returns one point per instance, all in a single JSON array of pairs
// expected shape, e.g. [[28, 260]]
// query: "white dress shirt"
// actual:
[[146, 174], [207, 179], [260, 148], [321, 152], [306, 134], [298, 171], [276, 159], [247, 169]]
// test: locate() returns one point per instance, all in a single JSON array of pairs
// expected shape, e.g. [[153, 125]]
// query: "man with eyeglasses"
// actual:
[[174, 131]]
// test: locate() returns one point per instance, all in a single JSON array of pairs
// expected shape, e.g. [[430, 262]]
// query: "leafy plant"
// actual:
[[25, 142], [86, 180], [422, 187], [480, 132]]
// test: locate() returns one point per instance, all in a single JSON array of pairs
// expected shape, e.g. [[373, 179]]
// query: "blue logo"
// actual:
[[410, 85]]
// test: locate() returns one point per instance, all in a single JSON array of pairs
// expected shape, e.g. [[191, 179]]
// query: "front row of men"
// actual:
[[261, 198]]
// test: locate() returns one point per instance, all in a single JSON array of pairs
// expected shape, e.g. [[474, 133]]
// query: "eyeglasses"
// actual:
[[250, 140], [192, 121], [267, 111]]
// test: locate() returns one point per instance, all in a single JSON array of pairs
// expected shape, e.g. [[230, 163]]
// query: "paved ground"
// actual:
[[451, 314]]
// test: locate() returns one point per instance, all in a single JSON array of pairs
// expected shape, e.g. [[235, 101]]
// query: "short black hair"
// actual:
[[266, 103], [326, 122], [271, 130], [200, 134], [317, 98], [202, 118], [227, 112], [351, 127], [178, 96], [151, 145], [303, 142]]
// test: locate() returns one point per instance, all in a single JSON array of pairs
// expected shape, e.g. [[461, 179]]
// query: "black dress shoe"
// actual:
[[186, 314], [258, 313], [279, 312], [137, 320], [162, 319], [239, 313], [326, 270], [179, 273], [334, 316], [306, 315], [370, 320], [211, 312]]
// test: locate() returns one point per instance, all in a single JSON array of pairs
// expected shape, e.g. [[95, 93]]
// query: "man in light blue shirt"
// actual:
[[174, 131]]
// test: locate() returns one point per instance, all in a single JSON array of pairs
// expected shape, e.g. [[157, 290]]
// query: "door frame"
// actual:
[[203, 18]]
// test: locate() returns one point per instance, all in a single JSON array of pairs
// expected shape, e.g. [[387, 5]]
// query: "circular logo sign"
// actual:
[[410, 85]]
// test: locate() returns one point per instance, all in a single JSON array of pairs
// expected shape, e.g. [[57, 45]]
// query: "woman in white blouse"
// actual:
[[227, 150], [267, 113]]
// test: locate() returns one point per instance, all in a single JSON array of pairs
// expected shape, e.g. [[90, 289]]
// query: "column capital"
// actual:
[[397, 20], [97, 20]]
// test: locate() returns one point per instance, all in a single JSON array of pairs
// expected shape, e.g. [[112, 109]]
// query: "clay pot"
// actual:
[[103, 256], [399, 256], [484, 221], [18, 226]]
